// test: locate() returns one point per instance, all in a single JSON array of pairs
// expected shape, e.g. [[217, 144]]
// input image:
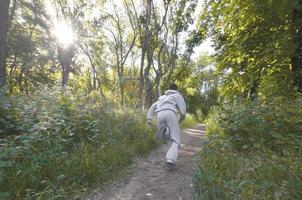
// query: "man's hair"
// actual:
[[173, 87]]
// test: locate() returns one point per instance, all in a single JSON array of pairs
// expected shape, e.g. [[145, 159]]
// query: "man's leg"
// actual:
[[161, 128], [163, 132], [171, 155], [173, 126]]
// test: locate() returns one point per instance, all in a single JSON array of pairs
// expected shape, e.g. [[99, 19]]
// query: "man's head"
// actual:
[[173, 87]]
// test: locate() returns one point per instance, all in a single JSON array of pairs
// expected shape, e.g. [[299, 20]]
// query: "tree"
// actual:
[[69, 14], [30, 47], [4, 15], [254, 46], [122, 40], [297, 37]]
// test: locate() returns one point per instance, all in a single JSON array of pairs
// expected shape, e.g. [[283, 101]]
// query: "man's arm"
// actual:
[[181, 105], [151, 112]]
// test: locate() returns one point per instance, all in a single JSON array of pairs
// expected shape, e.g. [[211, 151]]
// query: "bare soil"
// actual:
[[151, 178]]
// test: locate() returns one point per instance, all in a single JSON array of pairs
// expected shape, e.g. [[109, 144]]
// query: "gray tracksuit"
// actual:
[[166, 110]]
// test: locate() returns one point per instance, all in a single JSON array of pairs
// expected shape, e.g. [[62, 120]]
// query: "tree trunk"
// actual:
[[4, 7], [145, 44], [94, 72], [65, 58], [90, 87], [297, 58], [171, 64], [13, 66], [157, 81], [65, 75], [148, 95], [96, 79], [149, 56], [20, 78], [141, 74], [122, 92]]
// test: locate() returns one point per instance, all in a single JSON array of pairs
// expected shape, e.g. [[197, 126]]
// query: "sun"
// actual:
[[64, 34]]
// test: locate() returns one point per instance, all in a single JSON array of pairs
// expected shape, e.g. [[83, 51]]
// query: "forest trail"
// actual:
[[152, 180]]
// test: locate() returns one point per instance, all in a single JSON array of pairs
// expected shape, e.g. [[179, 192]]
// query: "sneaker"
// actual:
[[171, 166], [160, 132]]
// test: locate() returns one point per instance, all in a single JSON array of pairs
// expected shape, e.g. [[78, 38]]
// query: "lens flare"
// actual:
[[64, 34]]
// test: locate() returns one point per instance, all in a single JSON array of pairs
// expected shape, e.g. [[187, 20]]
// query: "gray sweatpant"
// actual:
[[169, 118]]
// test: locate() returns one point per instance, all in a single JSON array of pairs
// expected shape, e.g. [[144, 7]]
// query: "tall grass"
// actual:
[[189, 121], [56, 144], [228, 174], [240, 158]]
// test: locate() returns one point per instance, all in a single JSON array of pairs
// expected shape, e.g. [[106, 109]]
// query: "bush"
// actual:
[[59, 144], [212, 121], [8, 115], [189, 121], [252, 151], [275, 123], [225, 173]]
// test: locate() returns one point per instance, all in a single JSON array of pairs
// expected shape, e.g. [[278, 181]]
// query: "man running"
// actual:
[[167, 121]]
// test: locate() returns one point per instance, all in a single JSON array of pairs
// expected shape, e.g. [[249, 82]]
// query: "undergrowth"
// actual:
[[189, 121], [252, 151], [55, 144]]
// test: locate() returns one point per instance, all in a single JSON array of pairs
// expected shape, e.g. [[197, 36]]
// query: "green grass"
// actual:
[[252, 151], [228, 174], [66, 144], [189, 121]]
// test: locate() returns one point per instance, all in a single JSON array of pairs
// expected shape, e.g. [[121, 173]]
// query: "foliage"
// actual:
[[212, 121], [127, 50], [253, 148], [199, 85], [225, 173], [274, 123], [252, 151], [189, 121], [65, 143], [254, 46]]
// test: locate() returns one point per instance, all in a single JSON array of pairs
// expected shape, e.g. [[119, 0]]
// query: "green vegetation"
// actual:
[[229, 174], [253, 151], [75, 80], [60, 143], [254, 132], [76, 77], [189, 121]]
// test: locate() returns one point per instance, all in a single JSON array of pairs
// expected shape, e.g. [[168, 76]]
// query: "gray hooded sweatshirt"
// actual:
[[171, 100]]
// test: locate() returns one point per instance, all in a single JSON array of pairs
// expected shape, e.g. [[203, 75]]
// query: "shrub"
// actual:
[[252, 151], [188, 122], [61, 143], [275, 124], [212, 121], [225, 173]]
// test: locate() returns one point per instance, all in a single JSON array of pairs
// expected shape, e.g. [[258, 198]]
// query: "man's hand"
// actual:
[[181, 118], [149, 123]]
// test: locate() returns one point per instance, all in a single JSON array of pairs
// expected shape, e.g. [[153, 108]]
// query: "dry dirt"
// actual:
[[152, 180]]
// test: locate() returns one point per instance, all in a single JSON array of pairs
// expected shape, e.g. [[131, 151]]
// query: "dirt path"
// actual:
[[152, 180]]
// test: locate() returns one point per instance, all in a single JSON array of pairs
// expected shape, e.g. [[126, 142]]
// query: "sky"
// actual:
[[205, 47]]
